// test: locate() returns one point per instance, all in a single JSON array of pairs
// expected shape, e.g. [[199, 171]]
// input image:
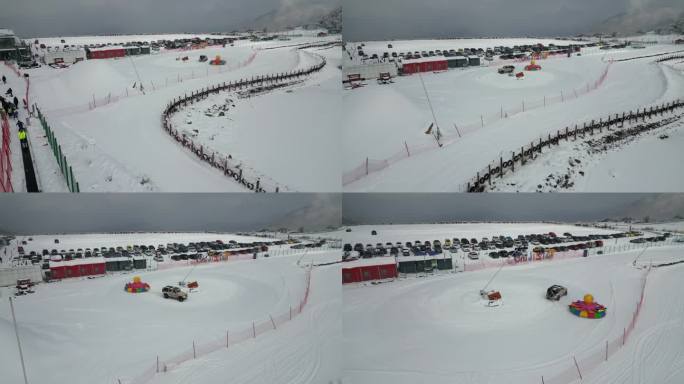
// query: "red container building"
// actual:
[[425, 64], [105, 52], [77, 268], [377, 268]]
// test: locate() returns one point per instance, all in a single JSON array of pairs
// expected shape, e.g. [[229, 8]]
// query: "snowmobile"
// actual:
[[385, 78], [24, 287], [493, 298]]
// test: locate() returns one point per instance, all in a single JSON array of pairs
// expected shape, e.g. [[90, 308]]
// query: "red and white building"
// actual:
[[77, 268], [424, 64], [376, 268], [107, 52]]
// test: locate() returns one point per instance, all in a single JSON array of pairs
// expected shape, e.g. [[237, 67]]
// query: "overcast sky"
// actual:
[[404, 19], [426, 208], [42, 18], [64, 213]]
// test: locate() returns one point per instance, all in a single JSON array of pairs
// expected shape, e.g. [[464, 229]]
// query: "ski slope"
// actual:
[[438, 330], [115, 335], [120, 146], [483, 115]]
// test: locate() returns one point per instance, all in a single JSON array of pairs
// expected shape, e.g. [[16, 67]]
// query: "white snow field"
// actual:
[[438, 330], [119, 145], [483, 115], [115, 335]]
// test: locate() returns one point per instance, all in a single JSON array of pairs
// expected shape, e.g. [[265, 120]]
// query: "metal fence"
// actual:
[[64, 166], [500, 166]]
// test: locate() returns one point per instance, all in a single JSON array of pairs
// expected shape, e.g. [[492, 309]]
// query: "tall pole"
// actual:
[[16, 332], [437, 134]]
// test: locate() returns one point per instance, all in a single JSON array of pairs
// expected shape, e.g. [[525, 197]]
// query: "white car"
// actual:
[[473, 255]]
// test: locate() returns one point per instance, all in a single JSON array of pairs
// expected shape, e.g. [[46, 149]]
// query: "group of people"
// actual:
[[11, 107]]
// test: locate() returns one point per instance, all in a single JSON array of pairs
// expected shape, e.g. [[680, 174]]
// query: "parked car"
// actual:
[[473, 255], [555, 292], [506, 69], [174, 293]]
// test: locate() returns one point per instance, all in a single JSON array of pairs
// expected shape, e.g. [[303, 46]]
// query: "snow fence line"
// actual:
[[61, 159], [141, 90], [499, 167], [5, 155], [254, 181], [670, 58], [449, 137], [160, 366], [649, 56], [575, 369]]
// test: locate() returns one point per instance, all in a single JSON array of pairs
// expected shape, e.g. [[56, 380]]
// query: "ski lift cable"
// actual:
[[493, 276], [136, 72], [639, 255], [189, 272], [438, 133]]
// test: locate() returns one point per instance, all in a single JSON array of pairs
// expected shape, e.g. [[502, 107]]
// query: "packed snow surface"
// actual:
[[119, 145], [117, 335], [483, 115], [438, 329]]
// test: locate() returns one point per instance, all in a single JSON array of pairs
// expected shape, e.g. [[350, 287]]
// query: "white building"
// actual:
[[62, 55]]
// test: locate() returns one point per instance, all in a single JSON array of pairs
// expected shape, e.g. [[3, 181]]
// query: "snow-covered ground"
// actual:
[[483, 115], [117, 335], [438, 330], [120, 146]]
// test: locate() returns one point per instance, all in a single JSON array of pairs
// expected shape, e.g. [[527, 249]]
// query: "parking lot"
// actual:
[[496, 246]]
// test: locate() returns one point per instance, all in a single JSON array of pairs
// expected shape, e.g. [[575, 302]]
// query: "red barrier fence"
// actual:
[[574, 369], [160, 366], [5, 156]]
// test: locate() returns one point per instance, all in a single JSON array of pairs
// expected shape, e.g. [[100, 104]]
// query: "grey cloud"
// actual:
[[419, 208], [60, 213], [40, 18], [397, 19]]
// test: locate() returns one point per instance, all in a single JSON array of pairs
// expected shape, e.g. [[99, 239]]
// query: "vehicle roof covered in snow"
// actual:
[[89, 260], [370, 261], [106, 48], [424, 59]]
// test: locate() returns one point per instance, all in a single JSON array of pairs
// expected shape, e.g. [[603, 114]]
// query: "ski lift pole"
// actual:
[[437, 134], [16, 332]]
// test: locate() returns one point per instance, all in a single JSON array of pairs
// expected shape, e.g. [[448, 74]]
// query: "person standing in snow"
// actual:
[[22, 139], [9, 92], [16, 102], [20, 125], [4, 79]]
